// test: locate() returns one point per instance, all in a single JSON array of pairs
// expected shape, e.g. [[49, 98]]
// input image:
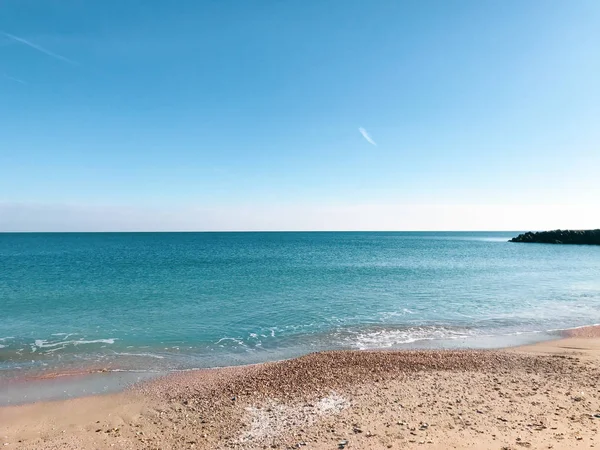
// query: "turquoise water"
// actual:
[[162, 301]]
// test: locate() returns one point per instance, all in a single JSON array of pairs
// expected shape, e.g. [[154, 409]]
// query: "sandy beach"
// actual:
[[540, 396]]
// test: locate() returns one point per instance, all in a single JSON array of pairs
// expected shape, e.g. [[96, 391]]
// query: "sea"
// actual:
[[137, 305]]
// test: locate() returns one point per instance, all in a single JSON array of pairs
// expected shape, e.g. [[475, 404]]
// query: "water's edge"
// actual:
[[84, 383]]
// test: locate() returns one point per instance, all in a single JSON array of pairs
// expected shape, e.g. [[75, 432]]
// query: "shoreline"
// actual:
[[102, 380], [541, 394]]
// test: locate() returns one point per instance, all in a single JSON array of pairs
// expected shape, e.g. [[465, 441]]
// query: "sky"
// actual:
[[299, 115]]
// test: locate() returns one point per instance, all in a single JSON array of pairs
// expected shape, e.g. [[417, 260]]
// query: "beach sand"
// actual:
[[541, 396]]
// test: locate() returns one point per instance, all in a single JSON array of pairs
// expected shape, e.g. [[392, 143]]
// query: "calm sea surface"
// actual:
[[162, 301]]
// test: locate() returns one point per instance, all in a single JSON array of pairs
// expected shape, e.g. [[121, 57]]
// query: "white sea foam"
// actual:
[[401, 313], [221, 342], [43, 343], [387, 338], [97, 341], [55, 349], [146, 355]]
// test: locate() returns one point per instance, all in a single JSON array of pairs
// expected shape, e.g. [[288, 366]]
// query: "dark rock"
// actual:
[[577, 237]]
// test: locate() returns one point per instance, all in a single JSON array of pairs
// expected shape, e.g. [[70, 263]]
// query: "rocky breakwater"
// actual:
[[577, 237]]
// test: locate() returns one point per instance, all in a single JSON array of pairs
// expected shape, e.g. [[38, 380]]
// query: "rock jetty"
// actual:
[[577, 237]]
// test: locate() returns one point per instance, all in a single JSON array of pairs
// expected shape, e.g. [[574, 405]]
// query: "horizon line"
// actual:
[[273, 231]]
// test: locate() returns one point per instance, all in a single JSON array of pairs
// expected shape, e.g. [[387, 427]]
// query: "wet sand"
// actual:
[[541, 396]]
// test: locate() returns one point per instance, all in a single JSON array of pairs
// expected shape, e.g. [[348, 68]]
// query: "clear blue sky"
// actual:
[[245, 115]]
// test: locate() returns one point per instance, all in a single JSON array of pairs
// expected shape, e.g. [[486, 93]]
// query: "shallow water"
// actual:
[[165, 301]]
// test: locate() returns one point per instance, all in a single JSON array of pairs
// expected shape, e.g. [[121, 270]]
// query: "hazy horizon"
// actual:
[[323, 218]]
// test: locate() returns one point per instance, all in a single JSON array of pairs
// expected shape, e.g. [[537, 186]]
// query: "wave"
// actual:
[[42, 343], [264, 344], [25, 347], [144, 355], [381, 337], [231, 340]]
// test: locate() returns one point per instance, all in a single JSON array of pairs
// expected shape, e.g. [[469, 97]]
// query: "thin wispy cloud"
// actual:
[[367, 136], [16, 80], [39, 48]]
